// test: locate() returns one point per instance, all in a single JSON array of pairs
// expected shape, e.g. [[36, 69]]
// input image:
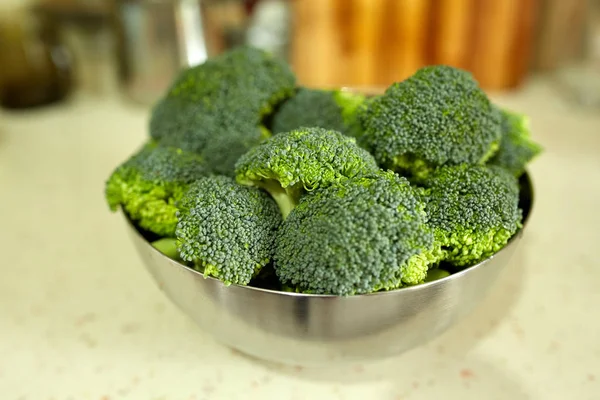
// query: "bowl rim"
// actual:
[[408, 289]]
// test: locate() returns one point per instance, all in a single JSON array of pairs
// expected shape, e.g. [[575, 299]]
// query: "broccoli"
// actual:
[[167, 246], [255, 180], [227, 230], [436, 273], [437, 116], [473, 210], [517, 148], [217, 108], [330, 109], [148, 185], [301, 160], [361, 235]]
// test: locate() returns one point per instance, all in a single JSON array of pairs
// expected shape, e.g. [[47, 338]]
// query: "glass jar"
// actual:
[[36, 67]]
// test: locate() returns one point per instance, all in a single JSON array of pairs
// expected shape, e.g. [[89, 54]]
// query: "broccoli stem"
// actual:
[[491, 152], [435, 274], [167, 246], [282, 197], [265, 133]]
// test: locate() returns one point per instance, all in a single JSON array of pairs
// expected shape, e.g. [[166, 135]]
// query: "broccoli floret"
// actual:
[[216, 109], [227, 230], [351, 104], [288, 164], [517, 148], [330, 109], [437, 116], [473, 210], [148, 185], [357, 236]]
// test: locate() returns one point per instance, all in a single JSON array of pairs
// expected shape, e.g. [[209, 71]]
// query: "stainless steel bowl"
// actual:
[[300, 329]]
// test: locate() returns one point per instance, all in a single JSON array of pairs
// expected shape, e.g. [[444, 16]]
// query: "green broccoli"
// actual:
[[436, 273], [356, 236], [254, 180], [227, 230], [517, 148], [167, 246], [330, 109], [437, 116], [148, 185], [288, 164], [217, 108], [473, 210]]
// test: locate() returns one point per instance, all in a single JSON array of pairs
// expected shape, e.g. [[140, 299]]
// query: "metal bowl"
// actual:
[[302, 329]]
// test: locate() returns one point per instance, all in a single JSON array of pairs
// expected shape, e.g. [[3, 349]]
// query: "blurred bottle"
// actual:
[[35, 66], [269, 26], [154, 40], [157, 38]]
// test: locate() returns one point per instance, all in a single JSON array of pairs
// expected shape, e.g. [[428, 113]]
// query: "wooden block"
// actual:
[[454, 29]]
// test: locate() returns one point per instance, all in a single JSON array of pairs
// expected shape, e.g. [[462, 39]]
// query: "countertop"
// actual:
[[81, 319]]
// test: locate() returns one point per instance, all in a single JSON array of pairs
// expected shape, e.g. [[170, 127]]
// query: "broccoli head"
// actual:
[[216, 109], [357, 236], [517, 148], [437, 116], [290, 163], [473, 210], [227, 230], [148, 185], [330, 109]]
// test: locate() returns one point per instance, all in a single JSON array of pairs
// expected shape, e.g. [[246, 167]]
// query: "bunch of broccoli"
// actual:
[[255, 180]]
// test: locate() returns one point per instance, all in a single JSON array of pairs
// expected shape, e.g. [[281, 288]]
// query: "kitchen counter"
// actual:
[[81, 318]]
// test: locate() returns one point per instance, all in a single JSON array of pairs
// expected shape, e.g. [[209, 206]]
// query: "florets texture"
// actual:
[[303, 160], [149, 184], [473, 210], [329, 109], [216, 108], [517, 149], [227, 230], [357, 236], [436, 117]]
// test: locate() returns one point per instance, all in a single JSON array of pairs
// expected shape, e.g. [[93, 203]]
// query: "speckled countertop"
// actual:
[[81, 319]]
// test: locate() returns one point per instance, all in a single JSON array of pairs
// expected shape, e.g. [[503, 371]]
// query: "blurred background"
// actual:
[[50, 49]]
